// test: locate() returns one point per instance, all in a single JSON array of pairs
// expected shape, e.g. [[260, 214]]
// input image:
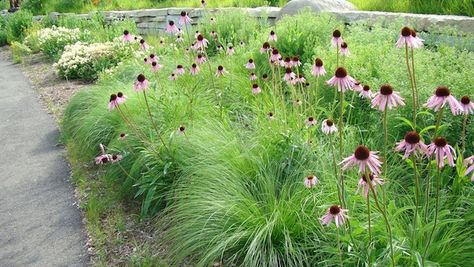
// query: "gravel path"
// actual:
[[39, 222]]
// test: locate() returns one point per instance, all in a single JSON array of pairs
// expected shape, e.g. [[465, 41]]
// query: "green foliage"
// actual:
[[17, 25], [231, 187]]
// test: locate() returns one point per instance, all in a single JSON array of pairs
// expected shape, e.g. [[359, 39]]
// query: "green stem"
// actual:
[[341, 142], [414, 77], [438, 178], [339, 248], [370, 229], [413, 94], [335, 170], [154, 123], [463, 135]]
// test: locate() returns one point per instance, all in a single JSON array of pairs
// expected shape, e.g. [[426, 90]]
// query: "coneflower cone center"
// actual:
[[465, 100], [311, 177], [386, 89], [318, 62], [153, 64], [336, 34], [181, 128], [194, 65], [105, 159], [141, 78], [200, 37], [366, 88], [310, 119], [412, 138], [288, 70], [220, 68], [255, 86], [113, 97], [442, 91], [171, 23], [440, 141], [329, 123], [183, 13], [125, 32], [275, 51], [334, 210], [341, 72], [344, 45], [362, 153], [250, 60], [119, 94], [406, 31]]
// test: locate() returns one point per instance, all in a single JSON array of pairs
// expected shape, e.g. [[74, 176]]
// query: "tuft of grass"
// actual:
[[453, 7]]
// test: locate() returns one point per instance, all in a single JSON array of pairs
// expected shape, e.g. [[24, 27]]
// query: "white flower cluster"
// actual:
[[60, 35]]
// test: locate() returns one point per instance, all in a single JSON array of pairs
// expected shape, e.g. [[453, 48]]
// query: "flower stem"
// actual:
[[339, 248], [154, 123], [413, 93], [335, 170], [417, 197], [463, 135], [341, 142], [414, 78], [387, 223], [438, 178], [370, 228]]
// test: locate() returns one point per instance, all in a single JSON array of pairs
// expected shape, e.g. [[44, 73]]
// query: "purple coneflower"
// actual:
[[467, 162], [272, 37], [341, 80], [357, 86], [213, 20], [121, 98], [439, 99], [297, 102], [242, 43], [301, 79], [143, 45], [270, 115], [141, 83], [116, 158], [220, 71], [310, 181], [230, 50], [200, 59], [467, 105], [286, 63], [318, 68], [275, 57], [295, 61], [179, 39], [364, 183], [181, 129], [122, 136], [184, 18], [171, 28], [179, 70], [289, 75], [201, 42], [256, 89], [172, 77], [127, 37], [443, 151], [265, 77], [328, 127], [153, 58], [363, 158], [250, 64], [336, 213], [113, 103], [103, 159], [365, 92], [253, 77], [336, 40], [406, 38], [213, 34], [310, 121], [194, 69], [417, 41], [155, 66], [265, 48], [387, 98], [411, 144], [345, 49]]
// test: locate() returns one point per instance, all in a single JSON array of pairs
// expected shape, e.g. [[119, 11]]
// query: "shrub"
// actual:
[[17, 25]]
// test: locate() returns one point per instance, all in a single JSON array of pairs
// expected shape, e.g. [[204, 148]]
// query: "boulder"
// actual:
[[295, 6]]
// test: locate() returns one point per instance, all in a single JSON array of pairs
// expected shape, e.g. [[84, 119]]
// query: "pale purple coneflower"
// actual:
[[127, 37], [200, 59], [439, 99], [213, 20], [467, 105], [250, 64], [341, 80], [301, 79], [213, 34], [406, 38], [116, 158], [328, 127], [265, 77], [242, 43], [230, 50], [336, 213], [365, 92], [103, 159], [310, 181], [265, 48], [141, 83], [286, 62], [289, 75], [181, 129], [295, 61], [256, 89], [275, 57], [364, 183], [272, 37], [179, 39], [122, 136], [172, 77], [194, 69], [345, 49], [171, 28], [179, 70], [201, 42], [411, 144], [336, 40], [184, 18], [297, 102], [467, 162], [310, 121], [318, 68], [417, 41], [220, 71], [143, 44], [443, 151], [253, 77], [145, 60], [153, 58], [387, 98], [270, 115], [219, 48], [113, 102], [357, 86], [196, 34], [363, 158], [121, 98], [155, 66], [203, 3]]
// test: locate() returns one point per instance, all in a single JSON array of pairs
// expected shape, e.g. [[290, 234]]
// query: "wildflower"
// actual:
[[184, 18], [200, 59], [289, 75], [153, 58], [365, 92], [201, 42], [335, 213], [318, 68], [127, 37], [297, 102], [345, 50], [121, 98], [407, 38], [467, 105], [270, 116], [214, 34], [196, 34], [265, 77], [145, 60], [219, 47], [341, 80], [116, 158], [256, 89], [143, 45], [181, 129], [301, 79], [363, 158], [194, 69], [418, 42], [203, 3], [272, 37], [275, 55], [242, 43], [250, 65], [179, 39], [213, 20], [387, 98], [443, 151], [295, 61], [336, 40], [265, 48], [141, 83], [155, 66], [230, 51], [179, 70], [287, 63], [357, 86], [253, 77], [103, 159], [220, 71], [310, 181], [171, 28], [411, 144], [122, 136], [113, 103], [172, 77], [439, 99], [364, 183], [470, 169], [310, 121], [328, 127]]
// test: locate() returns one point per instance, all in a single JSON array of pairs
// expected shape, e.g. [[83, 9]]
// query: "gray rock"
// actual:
[[295, 6]]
